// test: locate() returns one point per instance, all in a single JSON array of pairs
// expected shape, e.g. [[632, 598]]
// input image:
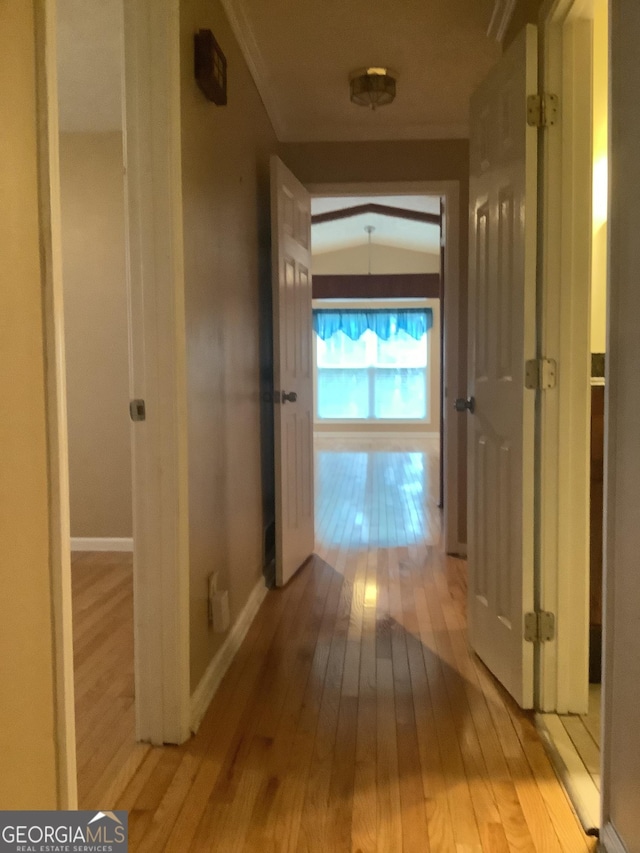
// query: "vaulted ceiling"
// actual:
[[389, 231], [301, 54]]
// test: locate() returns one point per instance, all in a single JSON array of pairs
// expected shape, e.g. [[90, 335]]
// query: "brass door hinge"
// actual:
[[542, 110], [539, 627], [540, 374]]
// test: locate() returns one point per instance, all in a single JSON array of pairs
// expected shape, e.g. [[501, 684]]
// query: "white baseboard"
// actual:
[[383, 435], [610, 841], [79, 543], [210, 681]]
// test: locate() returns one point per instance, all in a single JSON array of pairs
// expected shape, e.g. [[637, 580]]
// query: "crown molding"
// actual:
[[243, 32], [501, 18], [382, 133]]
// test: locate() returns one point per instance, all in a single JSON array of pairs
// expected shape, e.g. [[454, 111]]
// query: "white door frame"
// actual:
[[564, 415], [58, 459], [153, 164], [450, 191], [156, 298]]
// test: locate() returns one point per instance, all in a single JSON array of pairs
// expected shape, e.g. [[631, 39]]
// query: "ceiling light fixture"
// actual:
[[369, 229], [372, 87]]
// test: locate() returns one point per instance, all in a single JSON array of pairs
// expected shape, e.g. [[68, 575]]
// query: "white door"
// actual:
[[293, 376], [502, 319]]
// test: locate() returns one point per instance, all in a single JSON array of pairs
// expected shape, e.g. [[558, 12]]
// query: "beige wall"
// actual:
[[420, 160], [600, 175], [225, 161], [27, 708], [384, 259], [96, 336]]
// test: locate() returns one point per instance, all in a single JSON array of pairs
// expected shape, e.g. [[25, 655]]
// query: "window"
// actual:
[[381, 375]]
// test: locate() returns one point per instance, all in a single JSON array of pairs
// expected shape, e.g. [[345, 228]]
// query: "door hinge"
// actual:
[[539, 627], [542, 110], [540, 374]]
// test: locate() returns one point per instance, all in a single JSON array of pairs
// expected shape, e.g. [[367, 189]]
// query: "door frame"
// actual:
[[450, 191], [564, 317], [157, 374]]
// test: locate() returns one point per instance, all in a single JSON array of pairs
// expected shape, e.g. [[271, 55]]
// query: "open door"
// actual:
[[293, 373], [502, 328]]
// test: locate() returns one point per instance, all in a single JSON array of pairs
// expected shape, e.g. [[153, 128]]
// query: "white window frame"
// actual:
[[431, 423]]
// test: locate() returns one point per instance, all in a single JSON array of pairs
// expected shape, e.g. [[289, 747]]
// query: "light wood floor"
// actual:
[[584, 732], [354, 717], [107, 754], [574, 743]]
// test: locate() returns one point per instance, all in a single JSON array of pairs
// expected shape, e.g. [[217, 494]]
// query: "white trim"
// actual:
[[245, 36], [330, 132], [610, 841], [155, 265], [450, 191], [220, 663], [573, 774], [563, 497], [79, 543], [57, 434], [401, 430]]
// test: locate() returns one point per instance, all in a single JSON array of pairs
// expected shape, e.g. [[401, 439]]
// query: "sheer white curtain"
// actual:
[[372, 379]]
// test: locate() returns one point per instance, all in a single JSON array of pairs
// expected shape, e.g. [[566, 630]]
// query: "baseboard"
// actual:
[[610, 841], [459, 549], [79, 543], [382, 434], [210, 681]]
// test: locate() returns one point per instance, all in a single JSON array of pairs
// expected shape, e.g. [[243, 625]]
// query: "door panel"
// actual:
[[502, 320], [291, 258]]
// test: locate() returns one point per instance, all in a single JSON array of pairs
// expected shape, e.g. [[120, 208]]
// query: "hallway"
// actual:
[[354, 716]]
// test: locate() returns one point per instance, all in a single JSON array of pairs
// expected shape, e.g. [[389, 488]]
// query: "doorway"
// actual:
[[377, 289], [348, 261], [153, 248], [97, 360], [575, 43]]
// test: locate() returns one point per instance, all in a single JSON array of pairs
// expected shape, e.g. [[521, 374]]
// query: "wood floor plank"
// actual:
[[102, 599], [354, 716], [223, 764], [585, 745]]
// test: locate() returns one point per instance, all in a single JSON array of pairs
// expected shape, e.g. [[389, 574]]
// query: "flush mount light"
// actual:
[[372, 87]]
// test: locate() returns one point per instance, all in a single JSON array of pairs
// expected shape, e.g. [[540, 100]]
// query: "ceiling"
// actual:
[[301, 54], [389, 231], [90, 38]]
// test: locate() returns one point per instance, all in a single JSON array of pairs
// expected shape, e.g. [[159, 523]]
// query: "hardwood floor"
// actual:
[[107, 755], [574, 743], [354, 717], [584, 731]]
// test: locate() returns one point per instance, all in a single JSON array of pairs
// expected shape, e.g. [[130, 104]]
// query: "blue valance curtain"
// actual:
[[384, 323]]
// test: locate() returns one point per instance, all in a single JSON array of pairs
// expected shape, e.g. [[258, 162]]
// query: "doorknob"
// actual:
[[462, 405], [289, 396]]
